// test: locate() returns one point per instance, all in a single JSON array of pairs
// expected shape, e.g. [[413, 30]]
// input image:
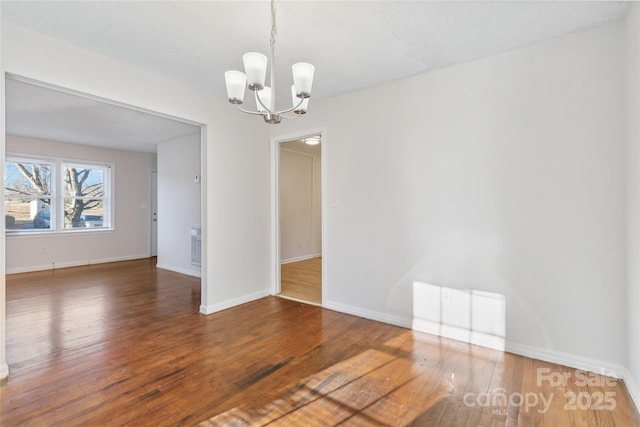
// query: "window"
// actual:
[[84, 196], [53, 195]]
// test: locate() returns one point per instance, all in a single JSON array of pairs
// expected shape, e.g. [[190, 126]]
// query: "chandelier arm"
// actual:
[[261, 103], [292, 108], [257, 113], [289, 117]]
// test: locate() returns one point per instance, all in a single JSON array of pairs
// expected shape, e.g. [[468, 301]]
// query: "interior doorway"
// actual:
[[41, 111], [300, 219]]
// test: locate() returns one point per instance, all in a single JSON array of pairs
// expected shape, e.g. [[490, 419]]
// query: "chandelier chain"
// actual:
[[274, 29]]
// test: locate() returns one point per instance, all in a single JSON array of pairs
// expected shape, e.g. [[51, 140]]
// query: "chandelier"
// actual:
[[255, 70]]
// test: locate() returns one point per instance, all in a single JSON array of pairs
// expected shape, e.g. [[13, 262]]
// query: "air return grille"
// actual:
[[196, 245]]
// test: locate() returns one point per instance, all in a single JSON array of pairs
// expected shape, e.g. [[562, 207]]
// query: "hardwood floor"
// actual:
[[124, 344], [302, 280]]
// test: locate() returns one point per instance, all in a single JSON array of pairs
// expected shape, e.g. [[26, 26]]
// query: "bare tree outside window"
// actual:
[[27, 195], [84, 192], [37, 183]]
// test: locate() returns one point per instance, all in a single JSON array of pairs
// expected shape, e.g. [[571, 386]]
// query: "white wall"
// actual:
[[178, 202], [4, 367], [632, 92], [300, 208], [234, 156], [506, 175], [130, 238]]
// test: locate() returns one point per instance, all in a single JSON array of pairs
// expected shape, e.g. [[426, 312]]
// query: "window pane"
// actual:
[[30, 179], [83, 191], [25, 185], [83, 182], [23, 214], [84, 213]]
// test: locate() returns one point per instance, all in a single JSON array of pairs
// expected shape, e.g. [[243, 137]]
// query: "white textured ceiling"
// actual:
[[353, 44]]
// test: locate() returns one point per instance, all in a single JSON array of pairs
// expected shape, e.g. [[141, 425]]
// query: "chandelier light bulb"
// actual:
[[236, 83], [255, 66], [265, 96], [303, 78]]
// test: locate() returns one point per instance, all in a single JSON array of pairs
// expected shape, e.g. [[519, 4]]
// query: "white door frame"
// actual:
[[275, 204]]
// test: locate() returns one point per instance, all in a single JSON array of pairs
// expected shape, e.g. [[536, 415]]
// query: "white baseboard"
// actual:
[[179, 270], [632, 387], [209, 309], [459, 334], [368, 314], [57, 265], [297, 259], [567, 359], [4, 370], [297, 300], [29, 269]]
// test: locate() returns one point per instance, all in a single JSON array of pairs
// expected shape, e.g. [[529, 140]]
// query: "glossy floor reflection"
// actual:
[[124, 344], [419, 379]]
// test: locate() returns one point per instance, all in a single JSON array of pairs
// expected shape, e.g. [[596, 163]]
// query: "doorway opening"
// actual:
[[82, 126], [299, 185], [40, 116]]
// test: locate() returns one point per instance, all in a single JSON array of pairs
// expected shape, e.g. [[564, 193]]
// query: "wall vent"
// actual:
[[196, 245]]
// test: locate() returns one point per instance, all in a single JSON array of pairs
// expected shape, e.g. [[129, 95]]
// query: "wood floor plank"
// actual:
[[124, 344], [302, 280]]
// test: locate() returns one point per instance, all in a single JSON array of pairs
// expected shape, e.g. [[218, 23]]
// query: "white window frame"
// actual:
[[106, 197], [57, 196]]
